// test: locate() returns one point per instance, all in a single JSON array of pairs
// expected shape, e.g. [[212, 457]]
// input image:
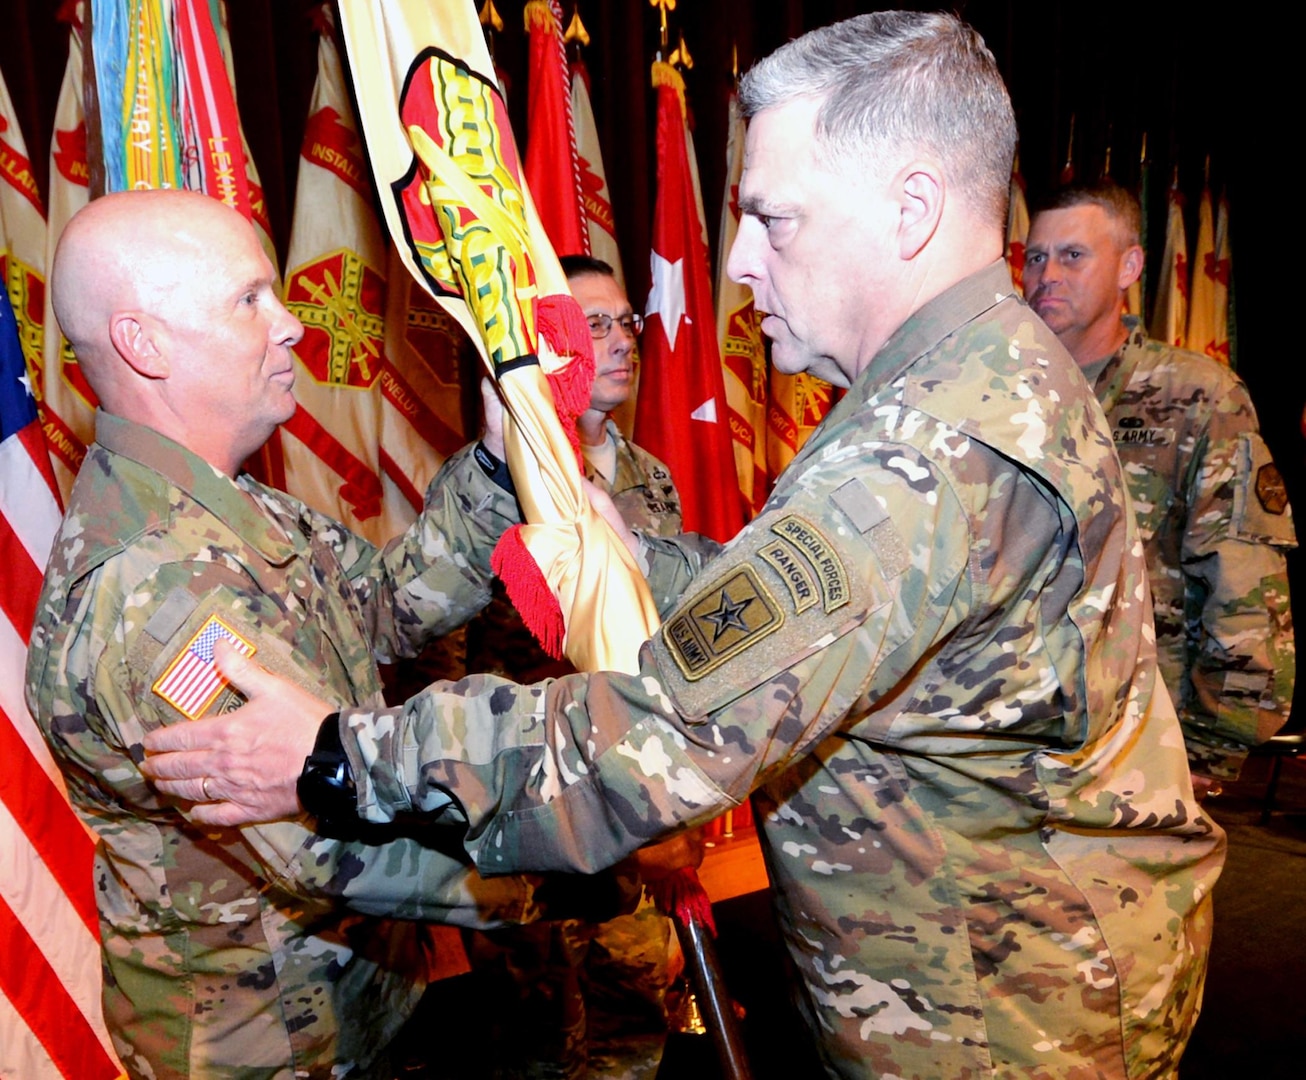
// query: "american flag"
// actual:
[[50, 1022], [192, 681]]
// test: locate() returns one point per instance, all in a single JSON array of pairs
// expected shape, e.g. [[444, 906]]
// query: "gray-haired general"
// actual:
[[930, 657]]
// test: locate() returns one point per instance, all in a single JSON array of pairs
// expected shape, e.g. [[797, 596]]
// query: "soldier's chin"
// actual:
[[1052, 315], [288, 407], [788, 359]]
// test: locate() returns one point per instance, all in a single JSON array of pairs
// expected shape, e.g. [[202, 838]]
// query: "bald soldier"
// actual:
[[1212, 507], [226, 952], [930, 655]]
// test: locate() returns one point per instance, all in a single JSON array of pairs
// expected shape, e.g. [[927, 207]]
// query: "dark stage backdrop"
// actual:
[[1197, 85]]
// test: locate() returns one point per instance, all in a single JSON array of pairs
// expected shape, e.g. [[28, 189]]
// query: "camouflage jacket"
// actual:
[[226, 952], [932, 654], [1215, 520], [644, 494], [642, 490]]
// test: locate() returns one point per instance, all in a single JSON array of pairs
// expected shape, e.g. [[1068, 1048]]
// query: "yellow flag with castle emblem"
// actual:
[[738, 328], [455, 199]]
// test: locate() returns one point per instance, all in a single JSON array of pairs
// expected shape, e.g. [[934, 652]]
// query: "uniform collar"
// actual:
[[934, 321], [210, 487], [1115, 374]]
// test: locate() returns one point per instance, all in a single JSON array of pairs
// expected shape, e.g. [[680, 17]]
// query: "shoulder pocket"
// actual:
[[1260, 503]]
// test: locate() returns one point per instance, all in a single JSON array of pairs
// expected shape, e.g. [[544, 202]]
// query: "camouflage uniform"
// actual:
[[642, 489], [1215, 520], [550, 969], [226, 953], [932, 653]]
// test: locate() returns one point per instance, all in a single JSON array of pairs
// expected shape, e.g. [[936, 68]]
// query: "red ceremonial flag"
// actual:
[[682, 415], [50, 1019], [552, 168]]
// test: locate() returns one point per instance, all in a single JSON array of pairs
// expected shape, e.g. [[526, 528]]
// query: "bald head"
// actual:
[[170, 304], [130, 251]]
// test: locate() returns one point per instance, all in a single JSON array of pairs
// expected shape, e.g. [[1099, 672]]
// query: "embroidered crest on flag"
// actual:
[[192, 681], [27, 297], [341, 302]]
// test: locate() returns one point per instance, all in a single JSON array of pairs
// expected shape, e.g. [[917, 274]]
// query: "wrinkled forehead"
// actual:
[[783, 137], [1087, 224], [785, 153]]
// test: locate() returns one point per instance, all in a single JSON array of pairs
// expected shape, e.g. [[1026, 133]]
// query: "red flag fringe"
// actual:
[[681, 894], [529, 592], [564, 326]]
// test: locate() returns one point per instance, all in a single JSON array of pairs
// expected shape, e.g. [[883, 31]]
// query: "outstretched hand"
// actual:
[[240, 767]]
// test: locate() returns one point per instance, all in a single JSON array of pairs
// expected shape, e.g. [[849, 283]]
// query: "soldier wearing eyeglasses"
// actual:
[[639, 483], [540, 973]]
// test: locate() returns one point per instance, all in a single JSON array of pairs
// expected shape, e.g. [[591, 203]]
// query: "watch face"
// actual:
[[326, 790]]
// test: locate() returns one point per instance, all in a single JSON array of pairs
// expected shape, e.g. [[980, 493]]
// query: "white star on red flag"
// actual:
[[667, 297]]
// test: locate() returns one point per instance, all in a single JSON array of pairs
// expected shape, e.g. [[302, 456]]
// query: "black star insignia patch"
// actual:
[[721, 622], [729, 616]]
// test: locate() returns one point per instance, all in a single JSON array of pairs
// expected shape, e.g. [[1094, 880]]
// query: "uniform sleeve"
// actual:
[[1240, 641], [437, 575], [819, 605], [101, 719], [670, 563]]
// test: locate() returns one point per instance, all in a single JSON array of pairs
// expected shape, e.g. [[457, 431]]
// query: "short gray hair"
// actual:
[[900, 79]]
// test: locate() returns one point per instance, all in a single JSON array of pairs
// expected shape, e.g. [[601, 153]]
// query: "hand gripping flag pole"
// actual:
[[438, 136]]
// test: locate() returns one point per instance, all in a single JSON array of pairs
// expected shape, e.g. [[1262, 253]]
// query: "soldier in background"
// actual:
[[1212, 508], [930, 655], [639, 484], [228, 952], [564, 988]]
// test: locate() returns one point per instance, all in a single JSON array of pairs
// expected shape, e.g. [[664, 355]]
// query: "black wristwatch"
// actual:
[[326, 785], [494, 468]]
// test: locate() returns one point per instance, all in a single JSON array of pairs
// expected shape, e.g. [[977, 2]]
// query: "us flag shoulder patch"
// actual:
[[191, 682]]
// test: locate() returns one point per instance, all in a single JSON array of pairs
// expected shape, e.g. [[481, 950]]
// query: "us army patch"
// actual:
[[722, 622], [796, 579], [191, 682], [1133, 431]]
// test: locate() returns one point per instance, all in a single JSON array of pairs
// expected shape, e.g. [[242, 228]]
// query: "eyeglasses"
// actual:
[[601, 325]]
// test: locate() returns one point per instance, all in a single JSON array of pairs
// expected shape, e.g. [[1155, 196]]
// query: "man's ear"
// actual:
[[135, 338], [920, 189], [1131, 266]]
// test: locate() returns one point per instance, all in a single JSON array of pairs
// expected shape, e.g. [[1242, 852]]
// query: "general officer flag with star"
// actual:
[[682, 417]]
